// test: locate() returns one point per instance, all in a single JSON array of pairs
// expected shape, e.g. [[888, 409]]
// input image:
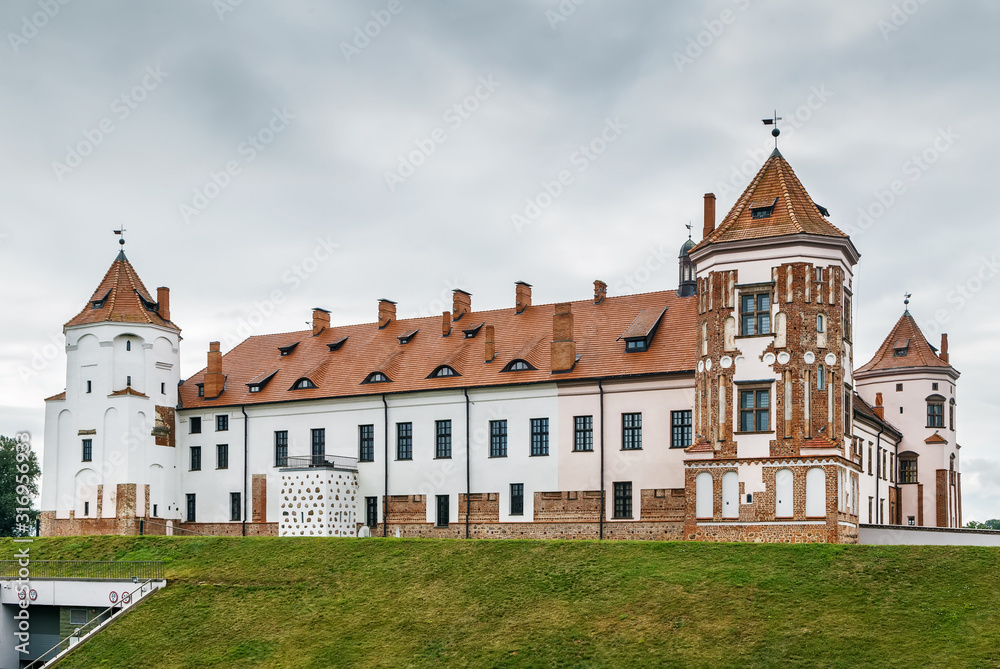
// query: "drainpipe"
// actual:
[[468, 462], [385, 503], [899, 501], [246, 463], [600, 522]]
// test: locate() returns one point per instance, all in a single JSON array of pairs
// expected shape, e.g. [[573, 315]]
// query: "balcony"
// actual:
[[319, 462]]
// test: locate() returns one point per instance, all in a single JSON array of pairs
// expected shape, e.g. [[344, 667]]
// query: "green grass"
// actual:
[[264, 602]]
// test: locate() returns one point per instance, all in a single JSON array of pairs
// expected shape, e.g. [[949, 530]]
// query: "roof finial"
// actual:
[[121, 235], [688, 226], [774, 131], [906, 301]]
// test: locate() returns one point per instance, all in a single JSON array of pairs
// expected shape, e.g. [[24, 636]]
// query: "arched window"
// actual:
[[783, 493], [816, 492], [820, 378], [730, 495], [128, 344], [303, 384], [517, 366], [935, 411], [820, 323], [377, 377], [442, 372], [907, 467], [704, 496]]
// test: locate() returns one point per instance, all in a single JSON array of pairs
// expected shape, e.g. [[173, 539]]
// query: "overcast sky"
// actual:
[[257, 151]]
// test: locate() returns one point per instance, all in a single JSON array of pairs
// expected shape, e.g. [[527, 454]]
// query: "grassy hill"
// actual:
[[263, 602]]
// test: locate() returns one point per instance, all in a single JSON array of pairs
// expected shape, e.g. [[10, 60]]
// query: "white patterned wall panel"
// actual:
[[318, 503]]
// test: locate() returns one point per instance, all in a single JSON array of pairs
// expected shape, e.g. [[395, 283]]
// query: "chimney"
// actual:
[[600, 291], [386, 312], [944, 347], [214, 380], [879, 409], [163, 302], [491, 349], [461, 303], [709, 215], [563, 346], [321, 320], [522, 295], [445, 323]]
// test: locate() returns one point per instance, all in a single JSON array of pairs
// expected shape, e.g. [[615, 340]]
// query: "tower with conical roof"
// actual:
[[914, 385], [109, 437], [771, 456]]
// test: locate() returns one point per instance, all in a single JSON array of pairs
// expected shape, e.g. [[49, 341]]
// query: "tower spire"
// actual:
[[121, 240], [774, 131]]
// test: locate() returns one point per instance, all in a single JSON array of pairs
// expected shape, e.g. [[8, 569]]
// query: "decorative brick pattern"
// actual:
[[573, 506], [484, 507], [318, 502]]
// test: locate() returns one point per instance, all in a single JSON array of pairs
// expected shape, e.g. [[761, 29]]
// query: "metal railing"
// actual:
[[326, 461], [118, 570], [82, 632]]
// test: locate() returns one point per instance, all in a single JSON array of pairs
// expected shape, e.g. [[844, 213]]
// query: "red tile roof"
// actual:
[[56, 398], [122, 298], [128, 390], [918, 352], [862, 408], [935, 439], [794, 210], [526, 336]]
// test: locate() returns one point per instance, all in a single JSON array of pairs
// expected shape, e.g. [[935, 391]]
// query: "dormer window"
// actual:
[[201, 390], [377, 377], [517, 366], [99, 304], [258, 383], [762, 209], [901, 347], [635, 345], [640, 332], [442, 372], [286, 350], [407, 337], [473, 331], [149, 305], [303, 384], [335, 346]]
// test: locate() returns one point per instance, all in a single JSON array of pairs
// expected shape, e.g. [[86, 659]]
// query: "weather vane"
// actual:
[[774, 131], [688, 226], [906, 300], [121, 236]]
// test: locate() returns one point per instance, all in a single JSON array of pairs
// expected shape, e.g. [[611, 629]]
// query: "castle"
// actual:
[[727, 409]]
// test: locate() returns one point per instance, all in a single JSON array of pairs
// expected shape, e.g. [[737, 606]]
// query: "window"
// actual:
[[870, 461], [516, 499], [86, 508], [404, 441], [442, 430], [755, 313], [910, 520], [222, 456], [934, 386], [88, 450], [376, 377], [907, 467], [89, 386], [366, 443], [78, 616], [318, 445], [539, 436], [951, 414], [195, 425], [190, 507], [631, 431], [755, 406], [443, 371], [128, 345], [935, 414], [303, 384], [442, 511], [517, 366], [155, 512], [623, 500], [235, 510], [195, 458], [371, 511], [820, 323], [583, 433], [498, 439], [163, 388], [201, 389], [221, 423], [635, 345], [899, 387], [820, 377], [680, 429], [281, 448], [128, 380]]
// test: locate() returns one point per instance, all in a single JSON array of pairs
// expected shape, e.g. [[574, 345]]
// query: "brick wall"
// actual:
[[568, 506], [484, 507]]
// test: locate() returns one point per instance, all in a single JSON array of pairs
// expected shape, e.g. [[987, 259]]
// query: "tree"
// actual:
[[991, 524], [19, 474]]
